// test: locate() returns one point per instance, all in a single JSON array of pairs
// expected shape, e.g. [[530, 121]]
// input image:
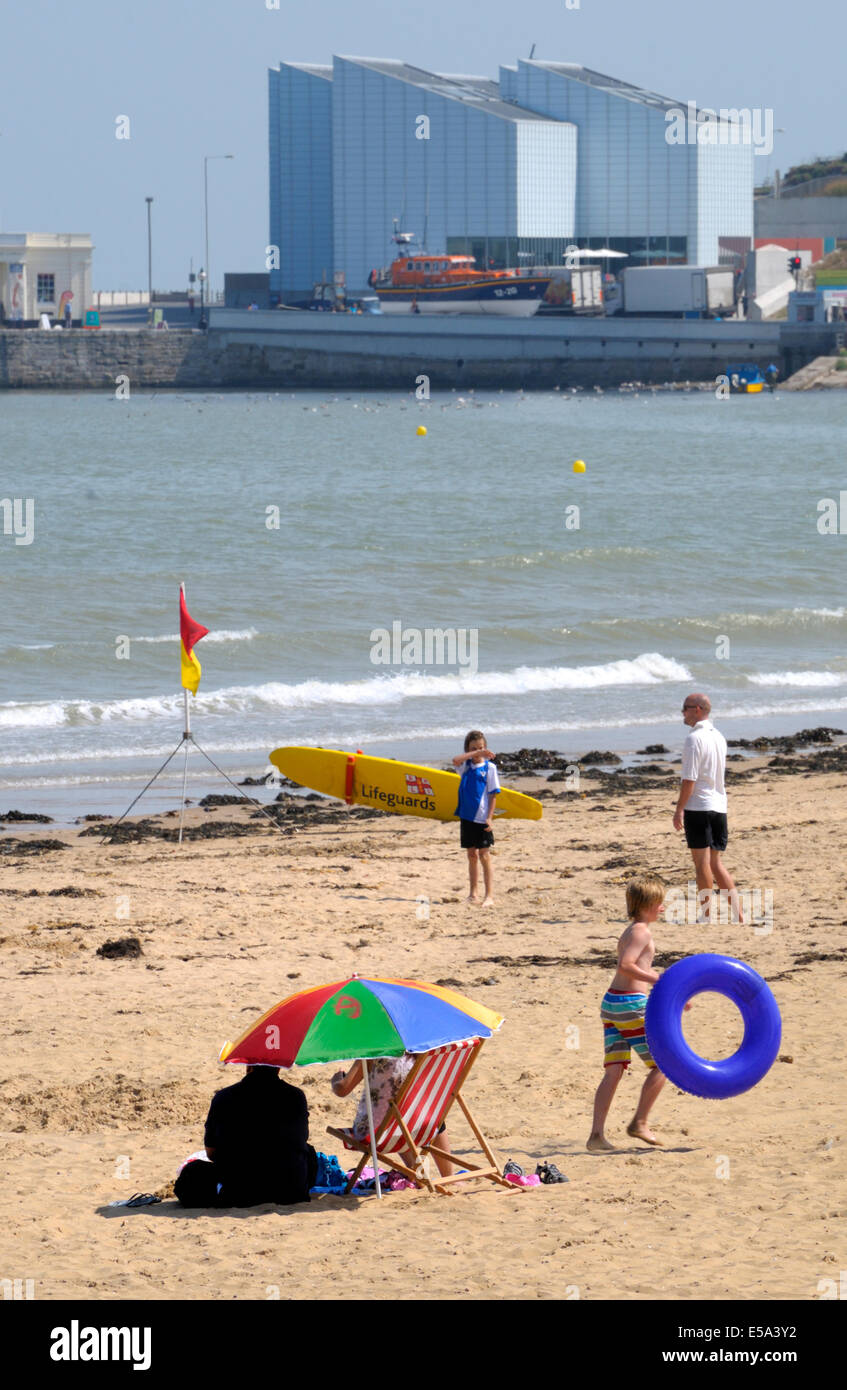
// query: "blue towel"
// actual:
[[330, 1176]]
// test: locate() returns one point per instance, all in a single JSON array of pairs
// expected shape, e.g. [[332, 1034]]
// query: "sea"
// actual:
[[366, 586]]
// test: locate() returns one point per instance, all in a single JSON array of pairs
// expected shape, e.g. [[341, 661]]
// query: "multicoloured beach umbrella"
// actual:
[[360, 1018], [190, 634]]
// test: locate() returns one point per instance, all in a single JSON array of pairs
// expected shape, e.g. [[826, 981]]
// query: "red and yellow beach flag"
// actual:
[[189, 634]]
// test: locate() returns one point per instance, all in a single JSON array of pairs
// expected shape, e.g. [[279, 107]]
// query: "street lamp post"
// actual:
[[149, 202], [206, 159]]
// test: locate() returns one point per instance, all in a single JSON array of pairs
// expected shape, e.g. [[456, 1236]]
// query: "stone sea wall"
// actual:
[[82, 359], [241, 351]]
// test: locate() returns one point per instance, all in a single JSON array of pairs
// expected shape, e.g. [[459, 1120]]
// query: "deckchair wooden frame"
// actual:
[[421, 1152]]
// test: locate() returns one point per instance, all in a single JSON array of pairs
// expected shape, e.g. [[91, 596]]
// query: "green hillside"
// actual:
[[819, 169]]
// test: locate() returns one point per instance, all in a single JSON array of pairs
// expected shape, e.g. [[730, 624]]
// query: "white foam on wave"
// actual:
[[48, 715], [27, 646], [811, 679], [723, 622], [554, 557], [222, 635], [96, 779], [780, 617], [650, 668], [352, 736], [121, 753], [787, 707]]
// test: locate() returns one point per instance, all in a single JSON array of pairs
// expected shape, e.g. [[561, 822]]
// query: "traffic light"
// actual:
[[794, 264]]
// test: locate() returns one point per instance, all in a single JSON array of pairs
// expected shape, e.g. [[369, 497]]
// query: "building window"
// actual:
[[46, 289]]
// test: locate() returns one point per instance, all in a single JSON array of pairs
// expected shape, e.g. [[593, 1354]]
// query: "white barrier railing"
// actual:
[[117, 299]]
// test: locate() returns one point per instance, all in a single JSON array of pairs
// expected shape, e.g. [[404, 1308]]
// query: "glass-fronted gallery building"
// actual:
[[514, 171]]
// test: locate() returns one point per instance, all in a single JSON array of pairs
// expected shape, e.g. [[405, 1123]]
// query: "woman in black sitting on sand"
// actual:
[[257, 1138]]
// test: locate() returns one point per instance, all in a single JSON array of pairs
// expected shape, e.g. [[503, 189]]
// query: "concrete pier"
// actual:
[[285, 350], [344, 350]]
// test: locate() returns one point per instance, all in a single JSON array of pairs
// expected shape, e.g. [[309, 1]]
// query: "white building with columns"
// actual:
[[39, 269]]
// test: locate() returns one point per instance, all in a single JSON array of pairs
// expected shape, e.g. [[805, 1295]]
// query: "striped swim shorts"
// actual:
[[623, 1028]]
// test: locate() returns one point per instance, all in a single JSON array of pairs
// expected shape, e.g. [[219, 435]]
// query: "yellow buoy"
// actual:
[[421, 429], [579, 466]]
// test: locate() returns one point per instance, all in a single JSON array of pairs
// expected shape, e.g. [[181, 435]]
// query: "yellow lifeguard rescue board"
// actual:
[[404, 789]]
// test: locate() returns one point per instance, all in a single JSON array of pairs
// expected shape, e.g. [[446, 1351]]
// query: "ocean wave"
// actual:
[[381, 737], [650, 668], [797, 678], [221, 635], [559, 557], [49, 715], [9, 649], [780, 617], [514, 728], [199, 774], [787, 707], [119, 752]]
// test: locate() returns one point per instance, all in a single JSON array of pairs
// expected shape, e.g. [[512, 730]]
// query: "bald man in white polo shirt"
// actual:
[[701, 808]]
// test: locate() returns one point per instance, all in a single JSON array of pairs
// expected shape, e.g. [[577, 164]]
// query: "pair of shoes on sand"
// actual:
[[545, 1172], [548, 1172]]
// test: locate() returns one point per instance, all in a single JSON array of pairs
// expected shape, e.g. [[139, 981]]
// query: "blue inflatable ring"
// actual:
[[762, 1026]]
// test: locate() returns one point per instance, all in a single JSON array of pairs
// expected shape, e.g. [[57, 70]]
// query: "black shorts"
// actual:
[[706, 829], [475, 836]]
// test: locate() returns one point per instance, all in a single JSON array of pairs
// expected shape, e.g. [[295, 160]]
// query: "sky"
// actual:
[[192, 80]]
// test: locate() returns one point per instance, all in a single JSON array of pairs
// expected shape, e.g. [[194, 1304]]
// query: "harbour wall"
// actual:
[[284, 350]]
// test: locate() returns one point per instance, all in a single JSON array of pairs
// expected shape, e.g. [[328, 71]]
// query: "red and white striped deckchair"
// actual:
[[413, 1119]]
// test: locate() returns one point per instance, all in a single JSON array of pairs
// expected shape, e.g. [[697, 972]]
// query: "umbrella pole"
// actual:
[[369, 1108]]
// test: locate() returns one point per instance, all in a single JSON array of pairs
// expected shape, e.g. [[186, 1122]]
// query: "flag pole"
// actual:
[[186, 741], [186, 738]]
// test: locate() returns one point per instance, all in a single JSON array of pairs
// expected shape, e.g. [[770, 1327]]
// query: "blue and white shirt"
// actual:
[[477, 790]]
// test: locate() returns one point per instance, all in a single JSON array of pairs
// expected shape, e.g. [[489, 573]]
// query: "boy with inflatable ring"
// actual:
[[622, 1011]]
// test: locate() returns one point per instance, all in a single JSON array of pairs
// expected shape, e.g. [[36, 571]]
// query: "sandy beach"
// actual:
[[110, 1062]]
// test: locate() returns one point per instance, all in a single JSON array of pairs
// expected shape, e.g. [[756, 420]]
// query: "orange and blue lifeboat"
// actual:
[[427, 284]]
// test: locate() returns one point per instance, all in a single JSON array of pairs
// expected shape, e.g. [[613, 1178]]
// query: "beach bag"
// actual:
[[328, 1175]]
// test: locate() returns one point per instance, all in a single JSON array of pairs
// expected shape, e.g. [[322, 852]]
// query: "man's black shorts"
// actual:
[[475, 836], [706, 829]]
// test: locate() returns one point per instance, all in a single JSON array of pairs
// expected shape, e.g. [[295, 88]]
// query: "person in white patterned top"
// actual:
[[385, 1079]]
